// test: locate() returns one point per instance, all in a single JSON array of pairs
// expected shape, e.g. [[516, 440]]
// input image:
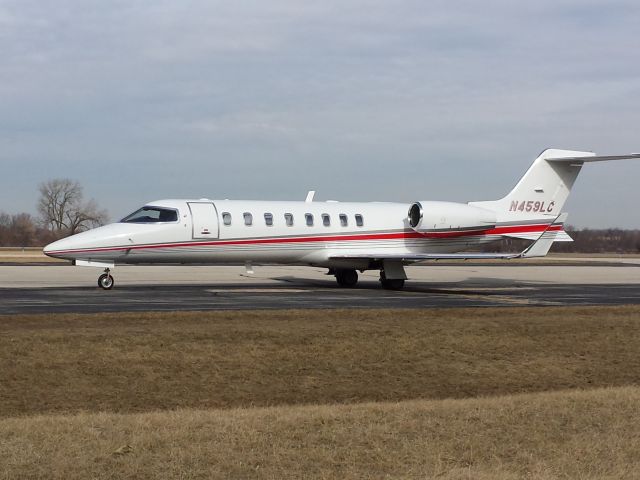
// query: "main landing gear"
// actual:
[[391, 283], [105, 281], [346, 277]]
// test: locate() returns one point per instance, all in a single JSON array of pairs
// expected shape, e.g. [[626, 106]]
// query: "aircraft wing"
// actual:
[[539, 248], [430, 256]]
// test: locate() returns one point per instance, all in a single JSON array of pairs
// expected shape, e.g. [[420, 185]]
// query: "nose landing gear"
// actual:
[[105, 281]]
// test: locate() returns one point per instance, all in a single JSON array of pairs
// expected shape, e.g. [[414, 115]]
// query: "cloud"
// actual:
[[363, 99]]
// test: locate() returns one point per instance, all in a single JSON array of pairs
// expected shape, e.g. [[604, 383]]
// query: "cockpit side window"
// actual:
[[152, 215]]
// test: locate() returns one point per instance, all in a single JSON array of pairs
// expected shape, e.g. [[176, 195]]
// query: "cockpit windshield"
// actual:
[[152, 215]]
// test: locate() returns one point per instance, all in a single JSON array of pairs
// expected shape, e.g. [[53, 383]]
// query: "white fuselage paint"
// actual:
[[198, 238]]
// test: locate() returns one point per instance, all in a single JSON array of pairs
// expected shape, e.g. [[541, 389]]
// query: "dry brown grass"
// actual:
[[145, 362], [413, 359], [26, 256], [578, 434]]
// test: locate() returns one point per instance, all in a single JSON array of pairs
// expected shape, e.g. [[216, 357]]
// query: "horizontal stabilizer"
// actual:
[[602, 158]]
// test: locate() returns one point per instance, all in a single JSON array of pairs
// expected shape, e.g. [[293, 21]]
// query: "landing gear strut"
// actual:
[[105, 281], [346, 277], [391, 283]]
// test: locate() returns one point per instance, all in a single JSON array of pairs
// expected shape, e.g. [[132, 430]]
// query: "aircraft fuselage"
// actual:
[[236, 232]]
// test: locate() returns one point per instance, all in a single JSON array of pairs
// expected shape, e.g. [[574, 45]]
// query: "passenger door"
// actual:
[[204, 219]]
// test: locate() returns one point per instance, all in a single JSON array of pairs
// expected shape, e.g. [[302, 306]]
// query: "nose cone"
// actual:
[[59, 248], [86, 244], [49, 249]]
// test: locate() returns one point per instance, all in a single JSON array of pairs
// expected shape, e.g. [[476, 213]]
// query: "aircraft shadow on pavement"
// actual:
[[483, 286]]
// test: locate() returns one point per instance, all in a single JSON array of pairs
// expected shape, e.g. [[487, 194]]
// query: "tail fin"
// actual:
[[542, 191], [544, 188]]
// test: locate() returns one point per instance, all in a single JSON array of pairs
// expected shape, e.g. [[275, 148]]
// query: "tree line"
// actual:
[[585, 240], [610, 240], [62, 211]]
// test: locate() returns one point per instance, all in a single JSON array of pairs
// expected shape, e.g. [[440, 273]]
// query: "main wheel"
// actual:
[[391, 283], [346, 277], [105, 281]]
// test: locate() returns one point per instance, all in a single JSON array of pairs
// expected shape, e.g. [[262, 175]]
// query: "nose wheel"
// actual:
[[105, 281]]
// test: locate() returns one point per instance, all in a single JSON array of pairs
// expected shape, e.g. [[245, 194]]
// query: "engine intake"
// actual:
[[415, 214]]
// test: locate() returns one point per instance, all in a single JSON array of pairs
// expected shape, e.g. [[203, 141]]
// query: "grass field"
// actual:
[[456, 393], [26, 256], [575, 434]]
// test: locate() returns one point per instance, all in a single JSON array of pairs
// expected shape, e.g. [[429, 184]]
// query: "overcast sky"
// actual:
[[360, 100]]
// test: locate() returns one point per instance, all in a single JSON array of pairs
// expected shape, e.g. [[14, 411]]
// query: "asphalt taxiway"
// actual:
[[62, 288]]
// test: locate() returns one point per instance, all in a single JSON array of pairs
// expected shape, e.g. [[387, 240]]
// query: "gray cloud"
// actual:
[[366, 100]]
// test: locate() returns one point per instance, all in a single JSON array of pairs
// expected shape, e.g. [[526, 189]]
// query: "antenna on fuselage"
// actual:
[[310, 195]]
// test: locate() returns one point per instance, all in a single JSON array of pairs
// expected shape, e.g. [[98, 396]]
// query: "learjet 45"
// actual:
[[344, 237]]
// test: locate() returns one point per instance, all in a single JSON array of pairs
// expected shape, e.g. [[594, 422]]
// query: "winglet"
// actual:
[[541, 246]]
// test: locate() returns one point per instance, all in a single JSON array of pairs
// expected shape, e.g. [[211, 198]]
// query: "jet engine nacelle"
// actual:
[[433, 216]]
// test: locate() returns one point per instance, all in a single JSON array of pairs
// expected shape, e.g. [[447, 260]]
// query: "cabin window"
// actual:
[[359, 220], [326, 220], [226, 218], [309, 219], [248, 218], [288, 218], [268, 219], [152, 215], [344, 221]]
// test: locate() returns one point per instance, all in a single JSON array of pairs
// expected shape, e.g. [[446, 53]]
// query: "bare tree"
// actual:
[[63, 210], [23, 230], [5, 229], [586, 240]]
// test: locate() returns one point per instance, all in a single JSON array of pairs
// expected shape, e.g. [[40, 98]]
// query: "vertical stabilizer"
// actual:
[[544, 188]]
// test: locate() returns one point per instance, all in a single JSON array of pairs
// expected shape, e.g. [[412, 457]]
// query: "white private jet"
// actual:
[[343, 237]]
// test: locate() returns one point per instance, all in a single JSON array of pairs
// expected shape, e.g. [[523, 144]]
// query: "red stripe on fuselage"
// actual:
[[333, 238]]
